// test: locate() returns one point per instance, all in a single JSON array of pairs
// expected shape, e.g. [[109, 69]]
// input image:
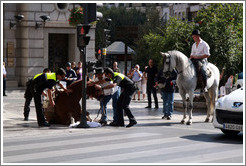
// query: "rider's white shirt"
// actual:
[[202, 49]]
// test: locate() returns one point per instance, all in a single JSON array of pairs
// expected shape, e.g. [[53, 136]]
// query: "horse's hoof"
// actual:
[[188, 123], [206, 120], [182, 121]]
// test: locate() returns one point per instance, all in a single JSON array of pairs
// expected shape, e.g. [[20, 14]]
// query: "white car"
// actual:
[[228, 115]]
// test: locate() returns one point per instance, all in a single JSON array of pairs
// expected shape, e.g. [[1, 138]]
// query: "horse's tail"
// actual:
[[215, 75]]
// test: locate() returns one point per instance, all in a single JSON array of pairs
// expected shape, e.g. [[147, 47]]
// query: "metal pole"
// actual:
[[125, 58], [83, 121]]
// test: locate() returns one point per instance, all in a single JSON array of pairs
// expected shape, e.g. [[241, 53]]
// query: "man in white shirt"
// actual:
[[200, 53], [136, 76]]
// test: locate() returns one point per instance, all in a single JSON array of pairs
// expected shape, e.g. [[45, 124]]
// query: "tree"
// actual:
[[152, 25], [175, 35], [120, 17], [222, 27]]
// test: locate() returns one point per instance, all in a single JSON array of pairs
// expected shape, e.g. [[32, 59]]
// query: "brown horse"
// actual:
[[67, 105]]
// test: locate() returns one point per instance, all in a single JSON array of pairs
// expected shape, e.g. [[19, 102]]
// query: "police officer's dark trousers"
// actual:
[[39, 108], [123, 104], [28, 96]]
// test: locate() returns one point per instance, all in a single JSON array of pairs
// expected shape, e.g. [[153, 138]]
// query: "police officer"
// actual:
[[28, 95], [128, 89], [34, 89]]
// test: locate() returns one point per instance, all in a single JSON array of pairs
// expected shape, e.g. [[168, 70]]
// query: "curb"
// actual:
[[197, 106]]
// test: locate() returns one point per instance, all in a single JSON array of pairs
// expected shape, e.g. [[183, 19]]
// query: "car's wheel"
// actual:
[[230, 132]]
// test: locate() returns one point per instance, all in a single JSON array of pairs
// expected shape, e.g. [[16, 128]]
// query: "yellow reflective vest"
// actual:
[[48, 76], [122, 76], [37, 75]]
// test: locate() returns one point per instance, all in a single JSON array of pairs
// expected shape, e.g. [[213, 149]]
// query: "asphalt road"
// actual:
[[152, 140]]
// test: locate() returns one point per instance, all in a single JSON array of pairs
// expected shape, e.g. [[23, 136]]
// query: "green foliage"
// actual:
[[120, 17], [222, 27], [76, 16], [175, 35], [151, 26]]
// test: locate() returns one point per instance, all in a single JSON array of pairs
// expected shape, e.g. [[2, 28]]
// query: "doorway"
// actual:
[[58, 51]]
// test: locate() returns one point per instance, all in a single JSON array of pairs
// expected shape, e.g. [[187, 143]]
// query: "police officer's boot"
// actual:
[[132, 122]]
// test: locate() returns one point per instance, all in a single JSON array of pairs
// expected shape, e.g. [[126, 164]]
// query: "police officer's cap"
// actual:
[[99, 70], [68, 64], [196, 32]]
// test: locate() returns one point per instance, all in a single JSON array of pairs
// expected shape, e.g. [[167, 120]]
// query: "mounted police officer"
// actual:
[[199, 54], [34, 89]]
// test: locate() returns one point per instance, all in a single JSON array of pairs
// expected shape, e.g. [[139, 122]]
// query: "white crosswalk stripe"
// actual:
[[152, 141], [118, 148]]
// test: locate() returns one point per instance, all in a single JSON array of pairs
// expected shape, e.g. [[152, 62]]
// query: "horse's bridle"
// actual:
[[168, 61]]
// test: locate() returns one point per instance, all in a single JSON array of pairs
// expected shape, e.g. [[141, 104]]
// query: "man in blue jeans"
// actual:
[[107, 95], [167, 86]]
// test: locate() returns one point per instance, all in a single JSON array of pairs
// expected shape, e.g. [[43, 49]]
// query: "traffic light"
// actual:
[[91, 11], [82, 38], [99, 54], [83, 29], [107, 36]]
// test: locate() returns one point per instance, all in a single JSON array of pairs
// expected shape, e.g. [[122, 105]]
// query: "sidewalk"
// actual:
[[14, 125]]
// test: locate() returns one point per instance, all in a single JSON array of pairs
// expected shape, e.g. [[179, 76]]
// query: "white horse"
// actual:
[[187, 81]]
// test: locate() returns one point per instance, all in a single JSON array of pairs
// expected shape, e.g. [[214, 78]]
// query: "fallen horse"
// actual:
[[67, 105]]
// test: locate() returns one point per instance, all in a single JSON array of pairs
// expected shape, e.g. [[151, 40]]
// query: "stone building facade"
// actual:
[[29, 45]]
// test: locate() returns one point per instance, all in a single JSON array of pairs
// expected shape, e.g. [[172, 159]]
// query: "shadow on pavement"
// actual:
[[217, 138]]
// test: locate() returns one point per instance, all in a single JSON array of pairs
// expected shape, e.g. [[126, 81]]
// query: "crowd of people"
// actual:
[[117, 86]]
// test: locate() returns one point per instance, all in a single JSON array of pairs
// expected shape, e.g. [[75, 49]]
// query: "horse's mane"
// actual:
[[178, 54]]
